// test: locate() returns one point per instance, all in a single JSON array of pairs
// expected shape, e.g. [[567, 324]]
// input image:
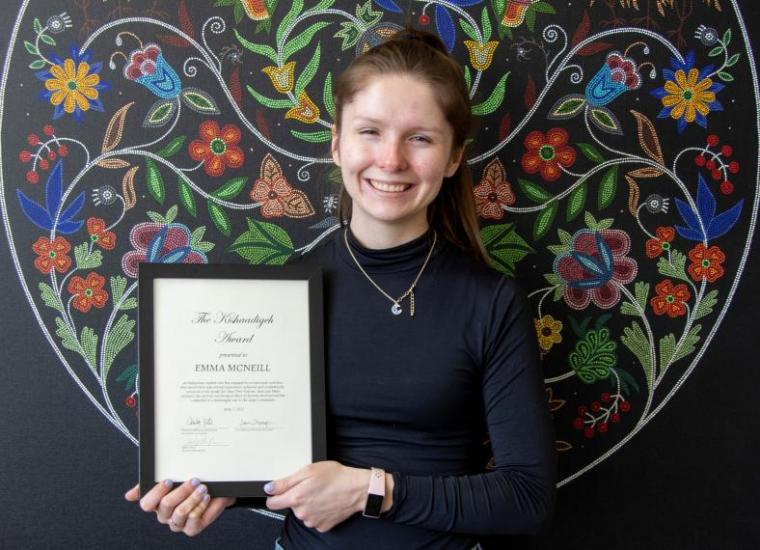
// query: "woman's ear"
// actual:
[[454, 161], [334, 146]]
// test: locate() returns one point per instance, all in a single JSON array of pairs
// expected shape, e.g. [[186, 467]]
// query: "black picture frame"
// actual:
[[149, 274]]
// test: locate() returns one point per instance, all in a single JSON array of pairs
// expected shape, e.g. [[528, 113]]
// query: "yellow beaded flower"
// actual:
[[306, 111], [481, 54], [282, 77], [549, 332]]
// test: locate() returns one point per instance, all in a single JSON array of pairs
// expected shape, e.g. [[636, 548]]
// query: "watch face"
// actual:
[[374, 505]]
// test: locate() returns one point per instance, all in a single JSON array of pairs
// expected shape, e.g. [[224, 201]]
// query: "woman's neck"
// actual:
[[380, 235]]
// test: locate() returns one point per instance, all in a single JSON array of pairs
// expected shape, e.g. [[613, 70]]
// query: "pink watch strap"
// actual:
[[377, 482]]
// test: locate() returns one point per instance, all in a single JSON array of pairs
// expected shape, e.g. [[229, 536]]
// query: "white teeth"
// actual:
[[389, 187]]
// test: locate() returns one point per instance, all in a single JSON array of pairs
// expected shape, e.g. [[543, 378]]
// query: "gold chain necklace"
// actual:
[[396, 307]]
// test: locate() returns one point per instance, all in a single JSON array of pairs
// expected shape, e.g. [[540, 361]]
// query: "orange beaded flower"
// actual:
[[658, 245], [52, 255], [706, 263], [670, 299], [88, 292], [217, 148], [546, 153], [105, 239]]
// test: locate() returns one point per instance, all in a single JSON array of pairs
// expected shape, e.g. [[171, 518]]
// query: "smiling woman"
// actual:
[[412, 389]]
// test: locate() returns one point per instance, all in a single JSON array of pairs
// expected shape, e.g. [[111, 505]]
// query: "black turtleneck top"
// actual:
[[416, 396]]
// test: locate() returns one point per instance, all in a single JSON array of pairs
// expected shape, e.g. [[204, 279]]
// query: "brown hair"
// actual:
[[422, 55]]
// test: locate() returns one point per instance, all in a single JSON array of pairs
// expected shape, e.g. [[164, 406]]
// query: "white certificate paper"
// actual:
[[232, 395]]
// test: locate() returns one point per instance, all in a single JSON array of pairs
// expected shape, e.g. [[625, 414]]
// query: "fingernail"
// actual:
[[268, 487], [202, 489], [195, 482], [206, 498], [168, 483]]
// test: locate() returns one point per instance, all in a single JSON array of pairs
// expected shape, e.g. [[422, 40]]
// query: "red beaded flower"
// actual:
[[546, 153], [88, 292], [52, 255], [658, 245], [706, 263], [217, 148], [105, 239], [670, 299]]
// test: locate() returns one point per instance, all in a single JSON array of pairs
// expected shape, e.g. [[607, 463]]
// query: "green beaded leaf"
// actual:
[[220, 218], [287, 21], [349, 33], [327, 96], [607, 188], [269, 102], [577, 201], [676, 267], [591, 152], [159, 114], [263, 244], [122, 333], [544, 220], [302, 40], [37, 64], [469, 30], [118, 286], [567, 107], [90, 347], [309, 71], [173, 147], [533, 191], [494, 100], [594, 356], [49, 297], [635, 340], [485, 22], [231, 188], [186, 197], [505, 246], [706, 305], [154, 181], [31, 48], [47, 39], [199, 101], [313, 137], [606, 121], [85, 259], [68, 339], [261, 49]]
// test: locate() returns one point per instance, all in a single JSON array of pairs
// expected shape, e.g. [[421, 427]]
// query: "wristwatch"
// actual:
[[375, 494]]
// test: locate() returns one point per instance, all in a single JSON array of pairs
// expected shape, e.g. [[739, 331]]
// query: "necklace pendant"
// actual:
[[396, 309]]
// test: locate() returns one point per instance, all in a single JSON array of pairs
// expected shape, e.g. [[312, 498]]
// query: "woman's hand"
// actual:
[[322, 494], [187, 509]]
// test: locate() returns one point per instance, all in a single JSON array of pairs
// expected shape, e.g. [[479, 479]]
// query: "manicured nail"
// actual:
[[201, 490], [206, 497], [195, 482], [168, 482], [268, 487]]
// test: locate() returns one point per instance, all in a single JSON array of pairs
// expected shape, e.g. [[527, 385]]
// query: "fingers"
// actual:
[[170, 501], [205, 513], [182, 511], [149, 501], [133, 495], [279, 486]]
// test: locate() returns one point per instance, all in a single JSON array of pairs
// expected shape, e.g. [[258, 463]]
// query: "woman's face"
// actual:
[[394, 148]]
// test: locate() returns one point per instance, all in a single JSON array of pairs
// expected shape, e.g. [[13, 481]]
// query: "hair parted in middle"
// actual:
[[423, 56]]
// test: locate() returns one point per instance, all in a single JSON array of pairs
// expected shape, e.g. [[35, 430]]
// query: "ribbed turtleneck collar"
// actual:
[[408, 256]]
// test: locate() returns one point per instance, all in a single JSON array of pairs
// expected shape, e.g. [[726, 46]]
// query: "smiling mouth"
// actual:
[[389, 187]]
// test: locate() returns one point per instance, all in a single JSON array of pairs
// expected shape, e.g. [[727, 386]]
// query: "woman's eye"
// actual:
[[368, 131], [421, 139]]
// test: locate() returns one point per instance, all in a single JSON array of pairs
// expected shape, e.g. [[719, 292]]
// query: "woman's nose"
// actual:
[[391, 155]]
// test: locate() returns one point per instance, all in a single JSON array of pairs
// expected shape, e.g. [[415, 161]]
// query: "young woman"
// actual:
[[427, 347]]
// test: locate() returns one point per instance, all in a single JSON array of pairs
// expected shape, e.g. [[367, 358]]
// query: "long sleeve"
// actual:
[[518, 495]]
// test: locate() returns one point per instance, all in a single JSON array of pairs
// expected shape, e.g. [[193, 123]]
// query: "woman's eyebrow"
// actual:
[[368, 119]]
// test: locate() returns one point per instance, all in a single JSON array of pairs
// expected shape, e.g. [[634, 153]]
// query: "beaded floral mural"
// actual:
[[615, 167]]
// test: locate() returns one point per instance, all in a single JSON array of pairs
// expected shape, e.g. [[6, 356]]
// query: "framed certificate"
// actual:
[[232, 387]]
